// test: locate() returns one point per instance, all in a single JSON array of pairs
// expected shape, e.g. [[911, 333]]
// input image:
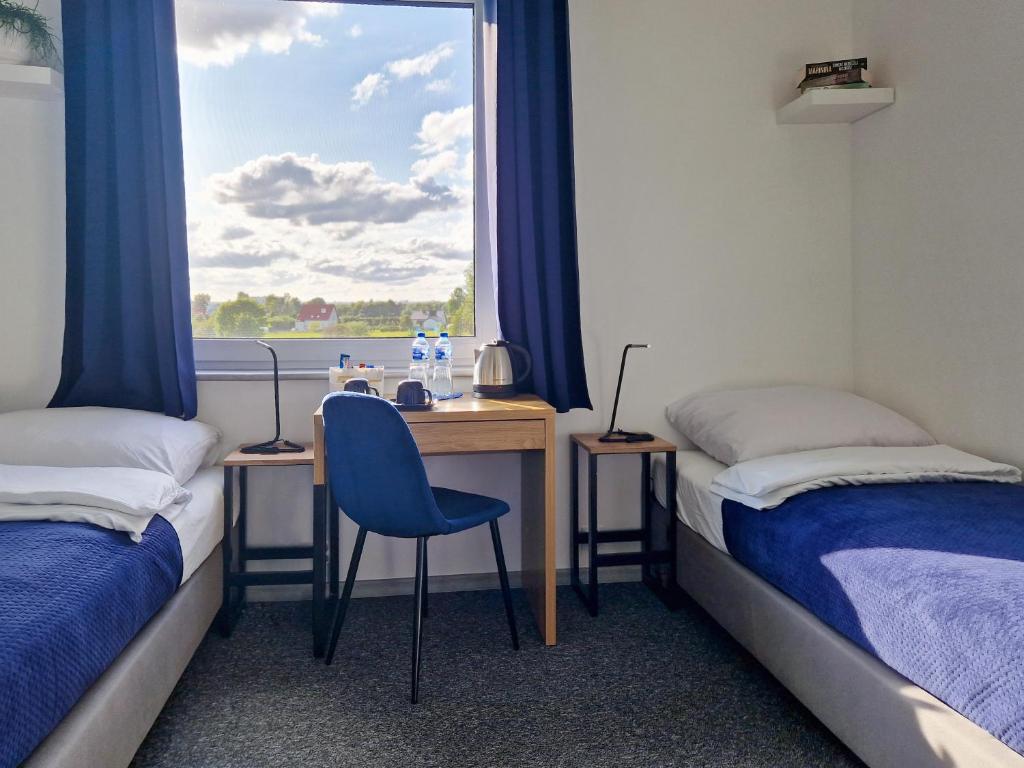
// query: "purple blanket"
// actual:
[[928, 577]]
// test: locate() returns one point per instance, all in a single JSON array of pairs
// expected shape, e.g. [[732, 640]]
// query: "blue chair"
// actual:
[[377, 478]]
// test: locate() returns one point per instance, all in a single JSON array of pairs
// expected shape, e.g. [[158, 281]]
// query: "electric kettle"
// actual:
[[494, 374]]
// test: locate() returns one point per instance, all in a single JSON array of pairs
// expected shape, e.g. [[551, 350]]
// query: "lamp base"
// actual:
[[279, 445], [621, 436]]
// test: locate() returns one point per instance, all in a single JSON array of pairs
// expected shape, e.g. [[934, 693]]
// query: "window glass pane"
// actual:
[[328, 167]]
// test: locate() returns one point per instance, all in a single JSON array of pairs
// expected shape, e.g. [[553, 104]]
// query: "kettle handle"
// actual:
[[524, 355]]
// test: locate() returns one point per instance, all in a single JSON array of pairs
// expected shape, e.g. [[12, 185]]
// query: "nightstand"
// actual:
[[238, 554], [658, 565]]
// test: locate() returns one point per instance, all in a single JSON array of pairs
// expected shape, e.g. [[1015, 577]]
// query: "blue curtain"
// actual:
[[128, 332], [536, 264]]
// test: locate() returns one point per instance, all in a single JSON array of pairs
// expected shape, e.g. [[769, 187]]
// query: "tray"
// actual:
[[417, 407]]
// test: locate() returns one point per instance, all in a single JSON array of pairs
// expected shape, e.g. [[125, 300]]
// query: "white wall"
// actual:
[[704, 229], [31, 244], [938, 222]]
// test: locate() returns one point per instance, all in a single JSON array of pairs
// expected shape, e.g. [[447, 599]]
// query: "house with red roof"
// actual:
[[316, 316]]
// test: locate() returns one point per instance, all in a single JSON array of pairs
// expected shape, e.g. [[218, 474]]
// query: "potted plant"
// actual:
[[25, 35]]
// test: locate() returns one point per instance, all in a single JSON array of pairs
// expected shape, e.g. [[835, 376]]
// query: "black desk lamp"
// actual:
[[614, 435], [277, 445]]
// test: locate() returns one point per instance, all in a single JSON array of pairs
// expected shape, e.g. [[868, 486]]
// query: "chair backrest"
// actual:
[[375, 469]]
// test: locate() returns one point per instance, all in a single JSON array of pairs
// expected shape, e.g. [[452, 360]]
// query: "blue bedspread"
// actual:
[[927, 577], [71, 598]]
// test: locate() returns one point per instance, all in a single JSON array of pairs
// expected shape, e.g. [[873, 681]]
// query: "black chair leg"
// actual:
[[426, 578], [346, 594], [499, 555], [417, 618]]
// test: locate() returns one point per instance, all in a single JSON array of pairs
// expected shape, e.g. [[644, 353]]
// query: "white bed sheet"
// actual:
[[200, 523], [697, 506]]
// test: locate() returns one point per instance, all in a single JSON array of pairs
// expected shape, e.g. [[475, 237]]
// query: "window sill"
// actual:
[[313, 374]]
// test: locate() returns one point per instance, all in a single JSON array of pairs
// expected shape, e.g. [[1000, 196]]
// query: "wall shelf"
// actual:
[[21, 81], [836, 105]]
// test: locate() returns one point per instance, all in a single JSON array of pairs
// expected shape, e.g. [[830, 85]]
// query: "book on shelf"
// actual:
[[833, 74], [823, 68]]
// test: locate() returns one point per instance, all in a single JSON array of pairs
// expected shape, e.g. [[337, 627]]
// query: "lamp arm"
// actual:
[[277, 391], [618, 388]]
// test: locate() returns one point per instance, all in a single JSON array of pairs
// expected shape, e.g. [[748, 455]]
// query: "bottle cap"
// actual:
[[444, 334], [422, 333]]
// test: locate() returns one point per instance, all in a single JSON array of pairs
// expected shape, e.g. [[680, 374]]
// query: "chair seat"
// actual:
[[466, 510]]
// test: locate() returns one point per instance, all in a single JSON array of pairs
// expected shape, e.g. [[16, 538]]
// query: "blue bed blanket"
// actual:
[[72, 596], [929, 578]]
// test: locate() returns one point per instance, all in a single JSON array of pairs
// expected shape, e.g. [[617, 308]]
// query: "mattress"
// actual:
[[697, 506], [926, 577], [72, 596], [200, 523]]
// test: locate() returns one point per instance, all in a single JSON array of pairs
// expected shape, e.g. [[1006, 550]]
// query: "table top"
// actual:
[[590, 442], [469, 408], [238, 459]]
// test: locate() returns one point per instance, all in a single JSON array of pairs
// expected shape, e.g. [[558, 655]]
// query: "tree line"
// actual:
[[275, 315]]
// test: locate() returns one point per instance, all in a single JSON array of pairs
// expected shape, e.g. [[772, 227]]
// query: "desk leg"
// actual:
[[574, 516], [592, 533], [538, 532], [319, 566], [243, 526], [333, 544], [225, 619], [670, 504]]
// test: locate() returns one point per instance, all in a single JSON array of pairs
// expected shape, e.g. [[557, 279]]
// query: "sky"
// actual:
[[328, 148]]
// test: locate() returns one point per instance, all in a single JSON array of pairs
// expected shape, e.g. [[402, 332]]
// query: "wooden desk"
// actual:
[[524, 424]]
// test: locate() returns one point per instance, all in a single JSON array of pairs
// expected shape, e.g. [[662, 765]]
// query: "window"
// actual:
[[329, 176]]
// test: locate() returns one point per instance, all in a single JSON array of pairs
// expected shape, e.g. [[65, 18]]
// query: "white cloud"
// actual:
[[439, 86], [441, 130], [234, 232], [368, 87], [423, 64], [395, 263], [356, 30], [433, 166], [221, 32], [258, 256], [375, 270], [304, 190]]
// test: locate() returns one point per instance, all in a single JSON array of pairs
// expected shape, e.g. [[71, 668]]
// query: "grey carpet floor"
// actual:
[[636, 686]]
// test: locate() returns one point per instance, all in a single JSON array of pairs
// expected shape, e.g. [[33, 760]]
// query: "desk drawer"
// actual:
[[450, 437]]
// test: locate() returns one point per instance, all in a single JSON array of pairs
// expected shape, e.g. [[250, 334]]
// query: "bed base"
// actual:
[[107, 725], [886, 720]]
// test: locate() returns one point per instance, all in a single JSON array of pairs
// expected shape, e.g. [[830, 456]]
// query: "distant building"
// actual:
[[428, 322], [316, 317]]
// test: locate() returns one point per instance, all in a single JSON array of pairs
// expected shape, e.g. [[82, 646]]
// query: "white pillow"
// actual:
[[108, 437], [128, 490], [767, 482], [740, 425], [133, 525]]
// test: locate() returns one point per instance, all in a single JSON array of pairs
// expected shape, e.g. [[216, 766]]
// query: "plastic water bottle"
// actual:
[[442, 381], [419, 368]]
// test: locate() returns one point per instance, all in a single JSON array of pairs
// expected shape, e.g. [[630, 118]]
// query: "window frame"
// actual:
[[214, 355]]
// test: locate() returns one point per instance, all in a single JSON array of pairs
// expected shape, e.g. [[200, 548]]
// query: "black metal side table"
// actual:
[[658, 565], [238, 554]]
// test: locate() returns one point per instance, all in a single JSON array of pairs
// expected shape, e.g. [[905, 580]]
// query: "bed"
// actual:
[[879, 606], [883, 717], [98, 622]]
